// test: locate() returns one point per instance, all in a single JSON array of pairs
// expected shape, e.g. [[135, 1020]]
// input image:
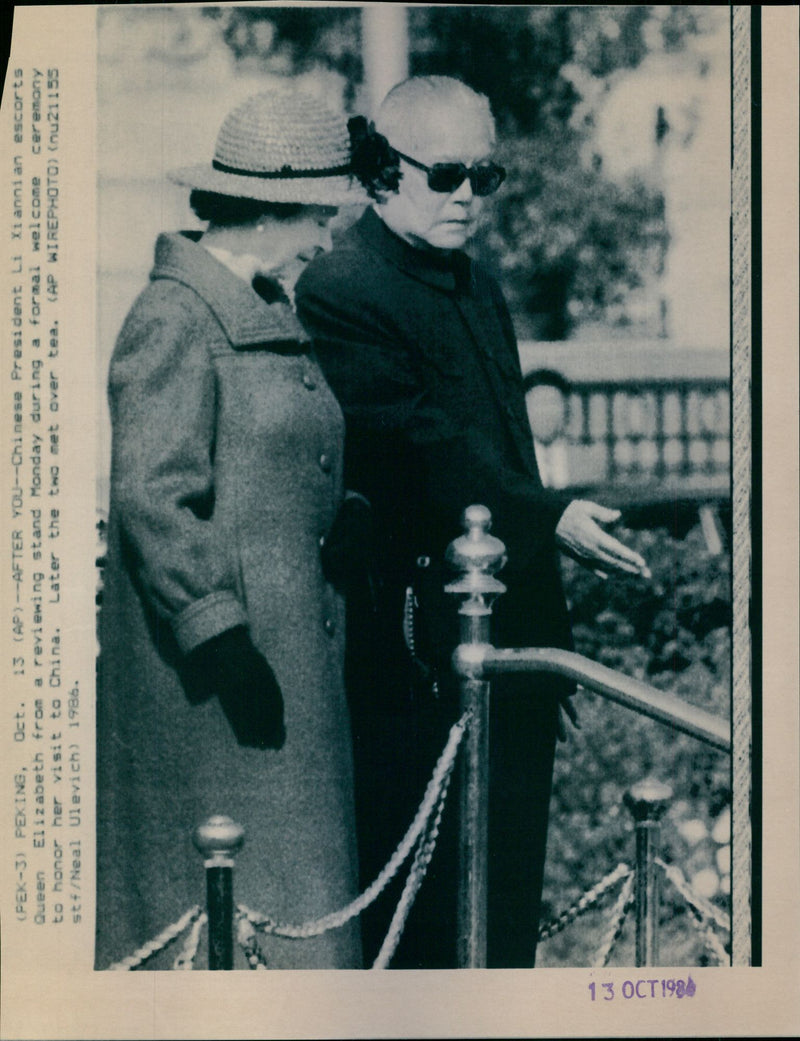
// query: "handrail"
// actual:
[[476, 556], [480, 661]]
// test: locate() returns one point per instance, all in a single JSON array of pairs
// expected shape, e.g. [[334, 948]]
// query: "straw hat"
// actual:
[[280, 146]]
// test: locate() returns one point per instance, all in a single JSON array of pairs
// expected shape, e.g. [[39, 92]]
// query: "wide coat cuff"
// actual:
[[205, 618]]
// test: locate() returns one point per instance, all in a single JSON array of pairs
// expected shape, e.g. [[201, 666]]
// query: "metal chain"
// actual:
[[427, 807], [711, 941], [704, 913], [589, 900], [618, 915], [246, 936], [164, 939], [416, 876], [715, 946], [185, 959], [698, 903]]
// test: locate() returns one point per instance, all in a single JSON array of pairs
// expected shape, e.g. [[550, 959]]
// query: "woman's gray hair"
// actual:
[[398, 116]]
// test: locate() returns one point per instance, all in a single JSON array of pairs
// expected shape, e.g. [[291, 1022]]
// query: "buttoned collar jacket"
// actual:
[[420, 350], [226, 473]]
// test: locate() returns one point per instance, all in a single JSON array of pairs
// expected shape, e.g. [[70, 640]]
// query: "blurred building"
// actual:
[[668, 122]]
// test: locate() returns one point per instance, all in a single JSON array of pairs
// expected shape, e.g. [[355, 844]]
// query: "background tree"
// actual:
[[566, 240]]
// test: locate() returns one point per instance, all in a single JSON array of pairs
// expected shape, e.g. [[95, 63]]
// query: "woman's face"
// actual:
[[286, 246]]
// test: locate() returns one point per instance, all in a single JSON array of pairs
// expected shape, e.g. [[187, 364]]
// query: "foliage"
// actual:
[[564, 241], [292, 40], [672, 631]]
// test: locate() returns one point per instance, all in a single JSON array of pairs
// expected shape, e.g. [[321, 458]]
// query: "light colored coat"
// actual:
[[226, 474]]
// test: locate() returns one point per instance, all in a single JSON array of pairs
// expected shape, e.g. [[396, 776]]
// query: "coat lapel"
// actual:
[[246, 318]]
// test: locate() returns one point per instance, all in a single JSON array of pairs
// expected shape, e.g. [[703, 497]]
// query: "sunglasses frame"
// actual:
[[470, 172]]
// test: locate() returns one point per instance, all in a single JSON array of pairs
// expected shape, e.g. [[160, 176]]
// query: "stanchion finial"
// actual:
[[477, 555], [218, 838], [648, 799], [477, 550]]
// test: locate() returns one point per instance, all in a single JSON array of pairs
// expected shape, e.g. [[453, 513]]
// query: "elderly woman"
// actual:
[[222, 634]]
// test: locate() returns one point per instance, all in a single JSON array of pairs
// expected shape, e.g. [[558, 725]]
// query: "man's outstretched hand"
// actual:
[[580, 535]]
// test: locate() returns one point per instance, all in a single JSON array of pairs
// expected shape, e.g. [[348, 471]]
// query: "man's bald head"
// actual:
[[413, 113]]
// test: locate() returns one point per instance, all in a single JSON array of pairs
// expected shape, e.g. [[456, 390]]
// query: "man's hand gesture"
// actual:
[[580, 535]]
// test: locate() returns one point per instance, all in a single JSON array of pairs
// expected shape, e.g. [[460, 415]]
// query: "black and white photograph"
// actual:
[[387, 529]]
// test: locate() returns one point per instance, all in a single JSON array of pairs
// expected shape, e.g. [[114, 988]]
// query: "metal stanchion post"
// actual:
[[647, 802], [477, 555], [219, 839]]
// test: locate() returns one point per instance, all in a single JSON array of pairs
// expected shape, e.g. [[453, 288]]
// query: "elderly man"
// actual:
[[418, 345]]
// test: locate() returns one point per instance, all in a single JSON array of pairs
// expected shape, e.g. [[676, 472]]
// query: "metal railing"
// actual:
[[477, 556]]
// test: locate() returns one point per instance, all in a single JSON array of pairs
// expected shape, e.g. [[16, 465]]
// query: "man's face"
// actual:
[[429, 219]]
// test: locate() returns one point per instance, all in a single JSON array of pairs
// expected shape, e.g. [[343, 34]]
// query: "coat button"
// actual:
[[309, 381], [325, 463], [330, 626]]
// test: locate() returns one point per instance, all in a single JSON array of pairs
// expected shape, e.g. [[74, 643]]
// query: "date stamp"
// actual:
[[642, 989]]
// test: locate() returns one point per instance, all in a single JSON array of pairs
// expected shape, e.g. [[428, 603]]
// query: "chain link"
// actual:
[[589, 900], [704, 914], [618, 915], [417, 828], [248, 941], [419, 867], [711, 941], [715, 946], [698, 903], [185, 959], [158, 943]]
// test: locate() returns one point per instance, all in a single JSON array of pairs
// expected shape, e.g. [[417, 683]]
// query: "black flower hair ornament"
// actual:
[[374, 162]]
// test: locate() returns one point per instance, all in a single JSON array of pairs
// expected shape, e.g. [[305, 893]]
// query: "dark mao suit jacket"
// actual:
[[420, 350]]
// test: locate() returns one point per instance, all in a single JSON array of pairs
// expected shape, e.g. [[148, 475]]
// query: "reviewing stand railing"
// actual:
[[478, 556]]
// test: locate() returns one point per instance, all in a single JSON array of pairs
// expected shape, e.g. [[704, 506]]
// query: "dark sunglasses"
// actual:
[[446, 177]]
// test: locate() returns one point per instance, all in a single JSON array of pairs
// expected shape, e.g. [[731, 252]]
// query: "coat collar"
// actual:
[[440, 270], [243, 315]]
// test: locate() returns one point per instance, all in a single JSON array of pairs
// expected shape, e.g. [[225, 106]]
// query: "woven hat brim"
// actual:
[[338, 190]]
